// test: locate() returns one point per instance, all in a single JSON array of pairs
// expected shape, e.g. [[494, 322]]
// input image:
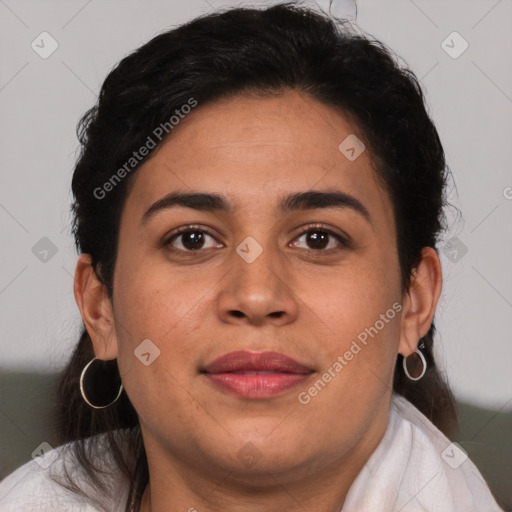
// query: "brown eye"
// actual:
[[189, 240], [192, 240], [318, 239]]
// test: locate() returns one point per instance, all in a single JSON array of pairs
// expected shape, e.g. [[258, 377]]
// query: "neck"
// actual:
[[323, 493], [312, 487]]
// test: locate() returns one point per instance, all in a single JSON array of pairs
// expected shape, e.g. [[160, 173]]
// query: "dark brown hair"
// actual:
[[224, 54]]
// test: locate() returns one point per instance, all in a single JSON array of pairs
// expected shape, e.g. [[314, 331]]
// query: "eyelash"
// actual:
[[344, 242]]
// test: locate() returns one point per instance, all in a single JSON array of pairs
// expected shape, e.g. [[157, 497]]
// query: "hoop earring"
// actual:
[[413, 357], [95, 382]]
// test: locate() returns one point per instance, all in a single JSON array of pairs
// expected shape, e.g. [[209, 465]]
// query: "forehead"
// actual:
[[254, 149]]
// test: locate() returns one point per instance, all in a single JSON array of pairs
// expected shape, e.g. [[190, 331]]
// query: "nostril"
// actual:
[[276, 314], [237, 313]]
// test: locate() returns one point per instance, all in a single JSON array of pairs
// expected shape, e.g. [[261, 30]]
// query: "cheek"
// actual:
[[151, 304], [152, 301], [155, 324], [362, 327], [347, 301], [357, 311]]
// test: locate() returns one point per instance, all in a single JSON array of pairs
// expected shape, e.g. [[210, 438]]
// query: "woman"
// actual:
[[257, 205]]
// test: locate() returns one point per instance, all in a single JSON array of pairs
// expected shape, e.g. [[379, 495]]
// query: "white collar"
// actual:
[[416, 468]]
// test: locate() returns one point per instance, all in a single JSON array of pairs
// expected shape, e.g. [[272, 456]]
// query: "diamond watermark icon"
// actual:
[[249, 249], [454, 45], [454, 250], [44, 455], [147, 352], [351, 147], [44, 45], [44, 250], [454, 455], [249, 454]]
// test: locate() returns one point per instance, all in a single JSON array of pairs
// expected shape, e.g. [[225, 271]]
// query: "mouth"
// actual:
[[255, 375]]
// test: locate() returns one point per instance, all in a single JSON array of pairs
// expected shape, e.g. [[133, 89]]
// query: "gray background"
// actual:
[[470, 99]]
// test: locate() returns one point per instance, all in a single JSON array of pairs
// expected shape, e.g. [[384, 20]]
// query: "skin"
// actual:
[[295, 298]]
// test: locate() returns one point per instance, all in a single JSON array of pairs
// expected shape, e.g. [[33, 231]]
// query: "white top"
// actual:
[[415, 468]]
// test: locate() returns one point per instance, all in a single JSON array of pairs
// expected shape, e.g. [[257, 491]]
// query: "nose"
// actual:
[[258, 293]]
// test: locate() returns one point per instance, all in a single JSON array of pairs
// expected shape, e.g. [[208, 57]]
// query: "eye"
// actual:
[[320, 239], [190, 238]]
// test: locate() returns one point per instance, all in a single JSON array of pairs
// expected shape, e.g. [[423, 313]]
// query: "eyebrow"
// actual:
[[208, 202]]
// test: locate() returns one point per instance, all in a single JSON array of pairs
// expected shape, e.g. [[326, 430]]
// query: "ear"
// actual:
[[420, 301], [96, 309]]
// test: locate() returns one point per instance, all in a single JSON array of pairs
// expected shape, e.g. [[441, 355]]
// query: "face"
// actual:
[[314, 278]]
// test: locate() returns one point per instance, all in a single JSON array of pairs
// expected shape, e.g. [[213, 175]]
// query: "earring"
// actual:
[[414, 359], [97, 381]]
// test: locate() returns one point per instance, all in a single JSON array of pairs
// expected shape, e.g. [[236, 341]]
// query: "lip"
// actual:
[[255, 375]]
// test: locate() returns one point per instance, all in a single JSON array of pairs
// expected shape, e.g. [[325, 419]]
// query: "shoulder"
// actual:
[[33, 488], [435, 462], [416, 468], [40, 486]]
